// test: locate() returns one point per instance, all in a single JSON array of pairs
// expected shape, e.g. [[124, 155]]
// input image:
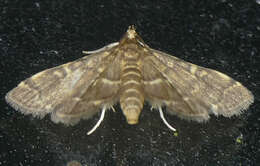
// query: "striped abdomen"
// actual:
[[131, 94]]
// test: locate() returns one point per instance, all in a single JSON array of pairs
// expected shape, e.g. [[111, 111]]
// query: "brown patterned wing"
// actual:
[[195, 92], [103, 92], [159, 92], [59, 90]]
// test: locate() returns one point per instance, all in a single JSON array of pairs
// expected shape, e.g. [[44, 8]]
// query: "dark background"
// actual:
[[221, 34]]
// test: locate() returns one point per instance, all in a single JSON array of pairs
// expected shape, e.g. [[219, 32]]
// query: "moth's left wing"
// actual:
[[101, 93], [59, 89], [203, 90]]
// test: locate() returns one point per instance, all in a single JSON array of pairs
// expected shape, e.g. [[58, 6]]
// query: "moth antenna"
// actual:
[[99, 121], [101, 49], [164, 120]]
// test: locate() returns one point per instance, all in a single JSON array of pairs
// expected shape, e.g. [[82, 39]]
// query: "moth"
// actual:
[[129, 72]]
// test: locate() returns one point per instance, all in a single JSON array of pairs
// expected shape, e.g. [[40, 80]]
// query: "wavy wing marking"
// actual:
[[58, 90], [196, 91]]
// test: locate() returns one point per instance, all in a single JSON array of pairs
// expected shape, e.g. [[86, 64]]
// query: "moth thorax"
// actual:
[[131, 94]]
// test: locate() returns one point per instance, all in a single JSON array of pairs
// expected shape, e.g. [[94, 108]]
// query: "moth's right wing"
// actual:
[[59, 90], [195, 92], [159, 92]]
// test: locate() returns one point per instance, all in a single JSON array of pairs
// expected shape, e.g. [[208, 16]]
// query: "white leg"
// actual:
[[152, 108], [99, 121], [164, 120], [101, 49], [113, 109]]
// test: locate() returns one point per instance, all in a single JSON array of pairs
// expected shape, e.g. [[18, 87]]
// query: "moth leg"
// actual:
[[164, 120], [152, 108], [113, 109], [99, 121], [101, 49]]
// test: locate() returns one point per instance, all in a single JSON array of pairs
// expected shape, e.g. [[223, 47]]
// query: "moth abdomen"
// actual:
[[131, 95]]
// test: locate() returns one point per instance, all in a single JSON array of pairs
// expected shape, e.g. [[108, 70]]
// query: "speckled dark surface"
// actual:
[[222, 34]]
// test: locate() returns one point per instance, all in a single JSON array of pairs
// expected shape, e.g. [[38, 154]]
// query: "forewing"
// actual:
[[48, 90], [204, 90], [159, 92], [103, 92]]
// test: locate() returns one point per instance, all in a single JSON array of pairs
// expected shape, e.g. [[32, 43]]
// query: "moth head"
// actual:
[[131, 33], [132, 37]]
